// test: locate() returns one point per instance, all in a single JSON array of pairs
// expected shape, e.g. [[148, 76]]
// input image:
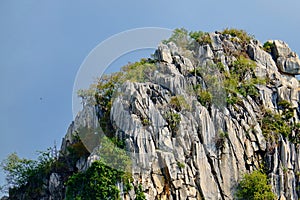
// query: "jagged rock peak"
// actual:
[[205, 110]]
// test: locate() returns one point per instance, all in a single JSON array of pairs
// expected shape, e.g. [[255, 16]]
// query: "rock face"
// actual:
[[206, 152], [188, 163], [287, 61]]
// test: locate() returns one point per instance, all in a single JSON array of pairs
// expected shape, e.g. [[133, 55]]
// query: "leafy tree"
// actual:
[[17, 170], [254, 186], [20, 171], [112, 155], [97, 183], [180, 37]]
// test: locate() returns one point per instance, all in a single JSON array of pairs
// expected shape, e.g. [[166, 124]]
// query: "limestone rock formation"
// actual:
[[287, 61], [197, 151]]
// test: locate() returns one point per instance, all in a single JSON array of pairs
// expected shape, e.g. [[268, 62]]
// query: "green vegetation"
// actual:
[[139, 71], [21, 172], [296, 138], [106, 88], [173, 119], [107, 85], [211, 90], [276, 124], [189, 41], [241, 80], [220, 139], [204, 97], [242, 68], [112, 155], [254, 186], [286, 108], [146, 122], [180, 37], [180, 165], [98, 182], [268, 46], [139, 193], [179, 103], [201, 37], [76, 151], [243, 36], [236, 83]]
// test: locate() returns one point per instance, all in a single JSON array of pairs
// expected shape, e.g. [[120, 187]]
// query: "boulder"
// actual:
[[163, 53], [289, 65], [287, 61]]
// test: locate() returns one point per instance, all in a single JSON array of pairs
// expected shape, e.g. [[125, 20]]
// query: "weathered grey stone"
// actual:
[[281, 49], [265, 62], [287, 61], [191, 191], [216, 42], [55, 184], [177, 183], [163, 53], [289, 65], [159, 182], [173, 48]]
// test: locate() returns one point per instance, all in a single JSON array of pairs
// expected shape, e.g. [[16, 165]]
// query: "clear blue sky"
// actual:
[[43, 43]]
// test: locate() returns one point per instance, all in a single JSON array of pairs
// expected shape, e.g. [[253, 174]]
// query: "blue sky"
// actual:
[[43, 43]]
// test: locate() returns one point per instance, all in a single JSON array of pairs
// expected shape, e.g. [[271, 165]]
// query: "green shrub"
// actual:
[[138, 71], [242, 67], [268, 46], [76, 150], [233, 99], [276, 124], [180, 165], [173, 119], [106, 88], [241, 80], [27, 174], [180, 37], [241, 34], [112, 155], [254, 186], [296, 137], [221, 85], [220, 67], [287, 110], [179, 103], [97, 182], [273, 125], [201, 37], [108, 84], [139, 193], [220, 140], [211, 90], [146, 122], [204, 97]]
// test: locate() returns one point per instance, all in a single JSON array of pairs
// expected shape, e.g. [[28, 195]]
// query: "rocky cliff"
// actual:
[[212, 108]]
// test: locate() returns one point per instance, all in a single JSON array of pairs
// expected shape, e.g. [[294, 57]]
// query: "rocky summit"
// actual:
[[194, 121]]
